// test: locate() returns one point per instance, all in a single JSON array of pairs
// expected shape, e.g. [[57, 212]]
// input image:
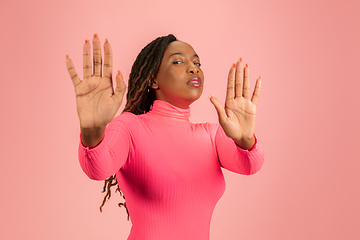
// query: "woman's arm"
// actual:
[[237, 118], [96, 99], [97, 103], [110, 154], [234, 158]]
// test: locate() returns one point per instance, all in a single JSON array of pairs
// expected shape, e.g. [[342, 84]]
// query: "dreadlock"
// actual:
[[140, 95]]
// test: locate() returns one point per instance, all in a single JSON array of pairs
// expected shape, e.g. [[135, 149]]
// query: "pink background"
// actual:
[[307, 53]]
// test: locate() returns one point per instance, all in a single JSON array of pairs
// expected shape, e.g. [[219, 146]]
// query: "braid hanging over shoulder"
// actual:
[[140, 95]]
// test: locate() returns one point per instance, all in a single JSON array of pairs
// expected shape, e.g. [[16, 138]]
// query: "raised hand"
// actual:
[[96, 100], [238, 116]]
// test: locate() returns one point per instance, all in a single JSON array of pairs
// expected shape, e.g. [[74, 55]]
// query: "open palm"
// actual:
[[96, 100], [238, 116]]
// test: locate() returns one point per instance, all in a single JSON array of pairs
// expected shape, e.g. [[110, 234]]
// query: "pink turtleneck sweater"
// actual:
[[168, 169]]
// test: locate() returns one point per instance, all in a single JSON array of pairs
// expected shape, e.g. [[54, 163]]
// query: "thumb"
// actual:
[[120, 88], [219, 108]]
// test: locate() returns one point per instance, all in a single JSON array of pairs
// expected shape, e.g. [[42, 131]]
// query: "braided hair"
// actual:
[[140, 95]]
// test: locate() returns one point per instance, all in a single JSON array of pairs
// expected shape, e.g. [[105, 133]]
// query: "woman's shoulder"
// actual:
[[126, 118], [209, 127], [207, 124]]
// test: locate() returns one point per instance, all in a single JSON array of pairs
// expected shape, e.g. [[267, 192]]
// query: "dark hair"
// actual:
[[140, 95]]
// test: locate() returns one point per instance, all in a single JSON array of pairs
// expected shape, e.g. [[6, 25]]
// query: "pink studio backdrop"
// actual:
[[307, 53]]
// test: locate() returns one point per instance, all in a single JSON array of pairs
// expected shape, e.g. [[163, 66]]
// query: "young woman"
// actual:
[[168, 168]]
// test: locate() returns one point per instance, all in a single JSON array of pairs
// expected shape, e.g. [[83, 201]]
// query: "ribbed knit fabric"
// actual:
[[168, 169]]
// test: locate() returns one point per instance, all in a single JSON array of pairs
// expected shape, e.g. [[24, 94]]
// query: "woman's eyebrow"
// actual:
[[182, 54]]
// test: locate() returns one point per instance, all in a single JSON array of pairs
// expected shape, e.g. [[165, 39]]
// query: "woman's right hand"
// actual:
[[96, 100]]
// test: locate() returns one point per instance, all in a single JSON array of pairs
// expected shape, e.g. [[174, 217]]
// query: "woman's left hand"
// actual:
[[238, 116]]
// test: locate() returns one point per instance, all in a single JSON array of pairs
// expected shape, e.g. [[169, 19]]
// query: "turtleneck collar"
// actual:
[[167, 110]]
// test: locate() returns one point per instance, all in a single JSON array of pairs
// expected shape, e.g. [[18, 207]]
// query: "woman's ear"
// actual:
[[153, 84]]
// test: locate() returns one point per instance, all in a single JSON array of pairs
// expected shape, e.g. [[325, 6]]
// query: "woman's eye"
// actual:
[[177, 62], [197, 64]]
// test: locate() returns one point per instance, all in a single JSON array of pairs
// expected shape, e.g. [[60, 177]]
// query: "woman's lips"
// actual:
[[196, 82]]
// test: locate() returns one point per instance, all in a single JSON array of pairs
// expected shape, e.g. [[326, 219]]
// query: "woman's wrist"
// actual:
[[91, 137], [246, 143]]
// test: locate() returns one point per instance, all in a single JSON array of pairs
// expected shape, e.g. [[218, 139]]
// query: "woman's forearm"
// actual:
[[91, 137]]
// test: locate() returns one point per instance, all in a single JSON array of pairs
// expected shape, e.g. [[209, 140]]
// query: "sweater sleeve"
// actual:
[[109, 155], [236, 159]]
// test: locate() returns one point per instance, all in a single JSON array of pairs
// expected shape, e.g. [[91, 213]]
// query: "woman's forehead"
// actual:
[[179, 47]]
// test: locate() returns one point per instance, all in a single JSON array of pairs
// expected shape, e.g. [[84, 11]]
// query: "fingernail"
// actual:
[[86, 41], [240, 59], [233, 65], [67, 57], [247, 65], [106, 40], [95, 35], [120, 74], [210, 96], [259, 77]]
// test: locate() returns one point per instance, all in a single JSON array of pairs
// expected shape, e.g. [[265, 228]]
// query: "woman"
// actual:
[[168, 168]]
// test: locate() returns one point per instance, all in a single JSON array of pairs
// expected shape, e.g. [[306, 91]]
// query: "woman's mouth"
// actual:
[[196, 82]]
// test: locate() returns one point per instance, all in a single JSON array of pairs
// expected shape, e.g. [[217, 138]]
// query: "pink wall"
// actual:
[[307, 53]]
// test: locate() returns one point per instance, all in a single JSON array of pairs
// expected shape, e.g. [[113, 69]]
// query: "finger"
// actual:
[[230, 92], [86, 60], [120, 89], [219, 108], [256, 93], [108, 61], [72, 72], [239, 76], [97, 56], [246, 87]]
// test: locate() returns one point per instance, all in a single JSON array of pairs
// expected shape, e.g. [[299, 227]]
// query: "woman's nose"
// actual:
[[193, 68]]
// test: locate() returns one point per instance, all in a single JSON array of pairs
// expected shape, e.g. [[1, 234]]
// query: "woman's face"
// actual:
[[180, 79]]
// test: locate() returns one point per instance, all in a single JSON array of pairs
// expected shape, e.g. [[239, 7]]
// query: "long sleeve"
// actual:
[[236, 159], [162, 163], [109, 155]]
